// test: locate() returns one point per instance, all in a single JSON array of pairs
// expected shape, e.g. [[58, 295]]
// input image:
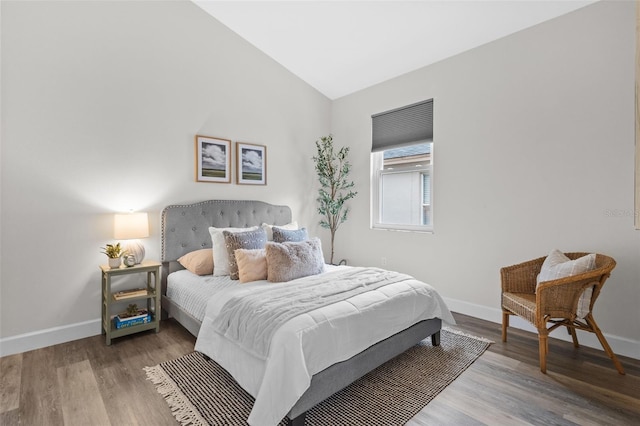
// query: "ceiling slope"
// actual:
[[340, 47]]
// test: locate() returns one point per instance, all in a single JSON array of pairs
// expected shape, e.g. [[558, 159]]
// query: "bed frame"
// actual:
[[185, 228]]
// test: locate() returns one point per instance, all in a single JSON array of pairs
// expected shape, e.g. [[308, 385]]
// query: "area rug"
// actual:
[[200, 392]]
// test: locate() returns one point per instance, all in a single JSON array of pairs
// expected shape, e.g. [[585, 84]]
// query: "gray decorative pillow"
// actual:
[[290, 260], [220, 255], [250, 240], [281, 235], [269, 228]]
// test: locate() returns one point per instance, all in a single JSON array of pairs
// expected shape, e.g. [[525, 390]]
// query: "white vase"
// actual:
[[115, 262]]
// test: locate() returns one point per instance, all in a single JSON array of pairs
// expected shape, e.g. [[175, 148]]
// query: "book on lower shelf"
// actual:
[[124, 320], [127, 294]]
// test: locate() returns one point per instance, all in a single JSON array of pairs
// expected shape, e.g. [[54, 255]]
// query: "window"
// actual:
[[402, 188], [401, 169]]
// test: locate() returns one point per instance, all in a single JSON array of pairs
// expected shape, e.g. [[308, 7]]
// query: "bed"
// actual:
[[185, 229]]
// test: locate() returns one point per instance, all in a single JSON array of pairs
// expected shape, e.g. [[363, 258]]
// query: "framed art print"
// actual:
[[252, 164], [213, 159]]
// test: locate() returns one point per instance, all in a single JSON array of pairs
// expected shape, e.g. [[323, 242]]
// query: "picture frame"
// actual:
[[251, 168], [213, 159]]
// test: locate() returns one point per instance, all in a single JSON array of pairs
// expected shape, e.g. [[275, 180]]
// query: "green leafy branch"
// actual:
[[333, 170]]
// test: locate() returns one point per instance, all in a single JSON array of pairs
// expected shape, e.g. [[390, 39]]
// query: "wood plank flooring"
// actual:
[[86, 382]]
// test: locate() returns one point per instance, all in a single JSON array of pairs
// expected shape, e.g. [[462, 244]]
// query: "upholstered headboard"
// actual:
[[185, 227]]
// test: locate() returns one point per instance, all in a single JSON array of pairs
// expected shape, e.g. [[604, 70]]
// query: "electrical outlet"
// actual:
[[383, 261]]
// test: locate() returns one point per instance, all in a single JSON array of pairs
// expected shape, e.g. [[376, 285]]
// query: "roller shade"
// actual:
[[403, 126]]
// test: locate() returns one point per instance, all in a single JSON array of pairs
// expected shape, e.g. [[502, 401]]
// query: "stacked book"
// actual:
[[124, 320], [127, 294]]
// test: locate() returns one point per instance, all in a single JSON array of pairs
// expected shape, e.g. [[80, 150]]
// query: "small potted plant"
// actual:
[[133, 311], [132, 316], [114, 252]]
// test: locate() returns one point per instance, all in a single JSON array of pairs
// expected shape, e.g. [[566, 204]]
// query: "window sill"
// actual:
[[406, 228]]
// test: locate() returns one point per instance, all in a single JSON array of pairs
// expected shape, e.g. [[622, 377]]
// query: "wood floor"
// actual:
[[86, 382]]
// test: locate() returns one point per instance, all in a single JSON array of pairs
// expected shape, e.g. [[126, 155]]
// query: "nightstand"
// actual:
[[150, 298]]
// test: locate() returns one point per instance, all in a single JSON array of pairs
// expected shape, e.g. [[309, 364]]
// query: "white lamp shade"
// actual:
[[129, 226]]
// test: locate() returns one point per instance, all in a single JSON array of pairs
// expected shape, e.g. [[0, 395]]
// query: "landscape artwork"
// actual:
[[213, 159], [252, 164]]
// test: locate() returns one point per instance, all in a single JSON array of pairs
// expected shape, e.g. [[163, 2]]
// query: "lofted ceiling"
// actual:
[[340, 47]]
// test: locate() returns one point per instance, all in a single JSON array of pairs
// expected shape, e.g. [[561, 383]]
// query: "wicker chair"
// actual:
[[555, 302]]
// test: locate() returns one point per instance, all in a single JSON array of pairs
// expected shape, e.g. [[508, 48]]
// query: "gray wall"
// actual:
[[100, 105], [533, 150]]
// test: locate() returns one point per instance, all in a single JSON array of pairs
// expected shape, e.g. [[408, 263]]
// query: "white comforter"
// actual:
[[307, 344]]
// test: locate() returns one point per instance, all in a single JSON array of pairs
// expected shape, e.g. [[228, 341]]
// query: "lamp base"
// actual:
[[135, 248]]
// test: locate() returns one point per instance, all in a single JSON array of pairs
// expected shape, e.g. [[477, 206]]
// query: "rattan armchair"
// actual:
[[555, 302]]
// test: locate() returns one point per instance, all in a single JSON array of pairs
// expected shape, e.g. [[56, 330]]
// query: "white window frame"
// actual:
[[377, 159], [426, 171]]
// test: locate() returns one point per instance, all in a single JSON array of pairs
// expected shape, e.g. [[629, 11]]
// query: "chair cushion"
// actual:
[[521, 304], [557, 266]]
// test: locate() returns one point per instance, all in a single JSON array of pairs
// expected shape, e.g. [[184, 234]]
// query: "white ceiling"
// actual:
[[340, 47]]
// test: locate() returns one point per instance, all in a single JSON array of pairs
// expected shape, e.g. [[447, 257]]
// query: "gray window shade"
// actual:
[[403, 126]]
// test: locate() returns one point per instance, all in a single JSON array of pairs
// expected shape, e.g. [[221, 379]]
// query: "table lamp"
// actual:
[[130, 227]]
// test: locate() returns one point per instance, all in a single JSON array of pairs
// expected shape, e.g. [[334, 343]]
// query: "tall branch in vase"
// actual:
[[332, 169]]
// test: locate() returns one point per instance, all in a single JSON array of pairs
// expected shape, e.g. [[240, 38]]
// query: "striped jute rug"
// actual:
[[200, 392]]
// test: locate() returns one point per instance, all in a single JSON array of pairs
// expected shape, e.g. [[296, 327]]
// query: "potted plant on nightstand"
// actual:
[[114, 252]]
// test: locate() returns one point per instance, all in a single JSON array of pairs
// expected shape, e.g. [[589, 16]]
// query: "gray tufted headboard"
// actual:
[[185, 227]]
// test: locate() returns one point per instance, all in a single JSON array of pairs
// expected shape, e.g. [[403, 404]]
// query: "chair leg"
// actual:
[[543, 349], [574, 336], [604, 343], [505, 324]]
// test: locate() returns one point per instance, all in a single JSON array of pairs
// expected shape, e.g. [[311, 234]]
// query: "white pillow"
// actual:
[[269, 228], [557, 265], [220, 253]]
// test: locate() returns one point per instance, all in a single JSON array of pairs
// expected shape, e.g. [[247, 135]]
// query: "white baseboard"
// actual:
[[620, 345], [51, 336]]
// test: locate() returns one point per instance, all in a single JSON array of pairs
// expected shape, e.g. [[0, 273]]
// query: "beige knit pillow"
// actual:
[[252, 264]]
